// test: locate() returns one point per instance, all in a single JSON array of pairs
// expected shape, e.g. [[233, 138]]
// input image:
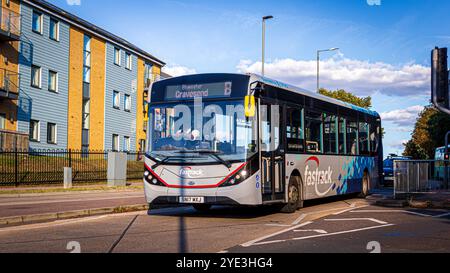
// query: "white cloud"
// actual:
[[178, 70], [403, 117], [359, 77], [73, 2], [398, 145]]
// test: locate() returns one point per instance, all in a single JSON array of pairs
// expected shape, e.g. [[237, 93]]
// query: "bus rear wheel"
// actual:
[[365, 186], [202, 207], [294, 196]]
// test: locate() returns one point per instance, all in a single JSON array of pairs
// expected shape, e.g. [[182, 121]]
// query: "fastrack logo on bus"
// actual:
[[318, 177], [188, 172]]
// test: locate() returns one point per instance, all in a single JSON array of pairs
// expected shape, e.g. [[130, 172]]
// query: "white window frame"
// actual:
[[129, 61], [2, 121], [114, 101], [41, 22], [118, 60], [57, 30], [56, 133], [39, 85], [38, 131], [127, 103], [56, 81], [126, 143], [115, 147]]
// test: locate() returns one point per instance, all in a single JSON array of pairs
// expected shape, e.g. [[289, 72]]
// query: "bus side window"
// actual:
[[313, 130], [329, 134], [373, 139], [363, 138], [294, 130], [352, 137], [342, 136]]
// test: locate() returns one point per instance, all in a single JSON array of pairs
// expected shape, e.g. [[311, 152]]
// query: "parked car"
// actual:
[[388, 169]]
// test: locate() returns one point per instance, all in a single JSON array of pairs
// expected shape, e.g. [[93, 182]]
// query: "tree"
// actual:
[[414, 151], [429, 133], [342, 95]]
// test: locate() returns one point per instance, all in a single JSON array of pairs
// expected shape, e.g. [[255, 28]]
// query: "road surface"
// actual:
[[332, 225]]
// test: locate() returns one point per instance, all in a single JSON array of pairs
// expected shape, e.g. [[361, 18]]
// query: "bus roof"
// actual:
[[278, 84], [292, 88]]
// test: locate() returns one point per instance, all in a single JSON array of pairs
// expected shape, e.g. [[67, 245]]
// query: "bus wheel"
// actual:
[[202, 207], [365, 185], [294, 196]]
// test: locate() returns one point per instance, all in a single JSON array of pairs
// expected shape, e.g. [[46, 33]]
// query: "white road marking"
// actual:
[[269, 242], [392, 211], [222, 252], [67, 222], [252, 242], [341, 232], [277, 225], [299, 219], [358, 219], [321, 231], [350, 209], [442, 215], [353, 205]]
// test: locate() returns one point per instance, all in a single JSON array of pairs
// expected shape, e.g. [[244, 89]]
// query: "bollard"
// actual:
[[117, 169], [67, 178]]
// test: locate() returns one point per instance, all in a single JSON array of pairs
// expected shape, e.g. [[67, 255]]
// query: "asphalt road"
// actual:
[[336, 225]]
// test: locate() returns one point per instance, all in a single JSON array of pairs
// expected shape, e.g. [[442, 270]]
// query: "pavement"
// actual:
[[29, 208], [342, 224], [431, 200]]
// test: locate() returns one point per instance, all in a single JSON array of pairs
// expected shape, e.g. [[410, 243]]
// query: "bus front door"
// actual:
[[272, 153]]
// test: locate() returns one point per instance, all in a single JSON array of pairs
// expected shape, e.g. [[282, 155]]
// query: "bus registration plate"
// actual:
[[192, 200]]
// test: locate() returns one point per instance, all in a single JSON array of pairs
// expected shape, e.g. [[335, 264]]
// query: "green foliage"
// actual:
[[429, 133], [342, 95]]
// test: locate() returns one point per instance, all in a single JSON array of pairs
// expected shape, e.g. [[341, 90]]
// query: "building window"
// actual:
[[37, 22], [35, 76], [129, 61], [127, 103], [87, 74], [126, 144], [35, 130], [116, 56], [2, 121], [86, 114], [115, 143], [53, 81], [54, 29], [142, 145], [116, 100], [51, 133]]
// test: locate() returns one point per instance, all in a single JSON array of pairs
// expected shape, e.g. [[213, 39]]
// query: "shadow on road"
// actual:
[[230, 212]]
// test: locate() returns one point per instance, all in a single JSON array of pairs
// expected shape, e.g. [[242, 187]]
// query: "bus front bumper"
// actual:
[[246, 193]]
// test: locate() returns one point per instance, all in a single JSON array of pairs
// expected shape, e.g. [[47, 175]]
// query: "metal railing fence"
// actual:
[[44, 167], [419, 176]]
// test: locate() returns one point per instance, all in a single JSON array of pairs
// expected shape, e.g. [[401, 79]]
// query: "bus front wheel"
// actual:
[[294, 196]]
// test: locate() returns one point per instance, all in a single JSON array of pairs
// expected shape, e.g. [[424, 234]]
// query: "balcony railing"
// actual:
[[10, 29], [9, 84]]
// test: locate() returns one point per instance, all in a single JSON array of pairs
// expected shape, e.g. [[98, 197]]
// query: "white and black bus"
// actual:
[[232, 139]]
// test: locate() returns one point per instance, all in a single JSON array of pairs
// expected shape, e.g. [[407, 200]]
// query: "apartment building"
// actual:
[[81, 87]]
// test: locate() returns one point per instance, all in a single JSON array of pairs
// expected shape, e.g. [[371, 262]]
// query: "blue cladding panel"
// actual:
[[118, 78], [41, 104]]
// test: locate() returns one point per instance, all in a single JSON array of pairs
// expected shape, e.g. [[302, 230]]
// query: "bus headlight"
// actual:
[[149, 178], [237, 179]]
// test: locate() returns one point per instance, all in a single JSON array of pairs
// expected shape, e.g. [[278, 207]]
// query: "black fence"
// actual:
[[42, 167]]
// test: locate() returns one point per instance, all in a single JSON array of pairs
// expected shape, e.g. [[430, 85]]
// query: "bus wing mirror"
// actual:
[[250, 106]]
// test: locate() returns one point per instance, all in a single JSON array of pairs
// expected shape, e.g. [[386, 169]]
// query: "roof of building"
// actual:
[[95, 30]]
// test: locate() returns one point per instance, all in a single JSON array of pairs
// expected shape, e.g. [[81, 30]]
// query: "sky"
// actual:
[[384, 51]]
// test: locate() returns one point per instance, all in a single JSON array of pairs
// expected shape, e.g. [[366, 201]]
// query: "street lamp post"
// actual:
[[318, 64], [264, 19]]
